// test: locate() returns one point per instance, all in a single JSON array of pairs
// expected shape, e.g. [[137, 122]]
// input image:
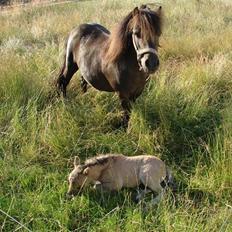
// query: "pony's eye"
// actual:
[[137, 32]]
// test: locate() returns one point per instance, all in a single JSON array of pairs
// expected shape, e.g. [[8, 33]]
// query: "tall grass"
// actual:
[[183, 116]]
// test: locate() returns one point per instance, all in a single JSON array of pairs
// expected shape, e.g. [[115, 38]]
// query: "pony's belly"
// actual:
[[92, 74], [99, 82]]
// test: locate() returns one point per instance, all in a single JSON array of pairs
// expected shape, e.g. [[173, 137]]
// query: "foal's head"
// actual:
[[145, 27], [85, 174], [78, 178]]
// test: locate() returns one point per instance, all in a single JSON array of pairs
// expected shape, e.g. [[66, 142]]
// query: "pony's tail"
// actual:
[[60, 74]]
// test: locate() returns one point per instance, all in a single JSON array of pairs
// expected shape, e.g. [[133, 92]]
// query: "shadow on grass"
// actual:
[[184, 133], [101, 206], [105, 207], [198, 197]]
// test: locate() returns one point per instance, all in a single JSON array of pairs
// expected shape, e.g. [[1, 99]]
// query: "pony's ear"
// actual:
[[143, 6], [76, 161], [159, 11], [86, 171], [135, 11]]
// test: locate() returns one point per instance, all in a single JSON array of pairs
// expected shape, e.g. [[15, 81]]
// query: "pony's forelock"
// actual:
[[149, 22]]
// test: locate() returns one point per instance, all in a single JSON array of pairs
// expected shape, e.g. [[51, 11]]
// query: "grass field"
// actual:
[[183, 116]]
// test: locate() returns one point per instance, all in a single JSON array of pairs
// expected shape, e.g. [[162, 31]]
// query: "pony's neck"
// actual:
[[130, 51], [127, 53], [120, 42]]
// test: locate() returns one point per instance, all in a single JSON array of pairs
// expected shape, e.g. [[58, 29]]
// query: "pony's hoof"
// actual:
[[120, 125]]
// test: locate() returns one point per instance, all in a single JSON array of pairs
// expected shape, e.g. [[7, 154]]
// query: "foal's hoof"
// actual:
[[136, 200]]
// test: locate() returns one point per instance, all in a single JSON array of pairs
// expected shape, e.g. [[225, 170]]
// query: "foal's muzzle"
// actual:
[[72, 193]]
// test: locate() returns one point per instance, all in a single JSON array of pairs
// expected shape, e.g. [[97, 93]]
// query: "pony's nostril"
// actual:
[[147, 63], [154, 62], [157, 62], [151, 63]]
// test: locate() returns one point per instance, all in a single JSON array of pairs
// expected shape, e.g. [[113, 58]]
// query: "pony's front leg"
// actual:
[[84, 85], [126, 106]]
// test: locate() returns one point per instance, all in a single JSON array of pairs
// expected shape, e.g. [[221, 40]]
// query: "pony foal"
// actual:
[[114, 171]]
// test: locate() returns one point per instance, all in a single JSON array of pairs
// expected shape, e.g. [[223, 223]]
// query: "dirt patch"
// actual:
[[7, 6]]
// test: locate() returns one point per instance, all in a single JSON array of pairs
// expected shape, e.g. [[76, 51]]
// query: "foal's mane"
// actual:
[[98, 160], [150, 23]]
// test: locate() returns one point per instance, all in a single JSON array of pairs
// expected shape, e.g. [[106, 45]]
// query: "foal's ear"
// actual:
[[76, 161], [135, 11], [86, 171]]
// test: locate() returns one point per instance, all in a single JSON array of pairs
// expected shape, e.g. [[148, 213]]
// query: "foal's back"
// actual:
[[128, 169]]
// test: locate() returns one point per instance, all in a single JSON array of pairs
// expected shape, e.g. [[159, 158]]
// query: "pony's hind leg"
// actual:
[[65, 77], [66, 73], [84, 85]]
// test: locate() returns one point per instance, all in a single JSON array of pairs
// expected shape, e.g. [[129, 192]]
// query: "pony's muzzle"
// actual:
[[150, 63]]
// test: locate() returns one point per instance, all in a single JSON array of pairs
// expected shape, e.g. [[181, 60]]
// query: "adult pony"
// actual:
[[120, 61], [114, 171]]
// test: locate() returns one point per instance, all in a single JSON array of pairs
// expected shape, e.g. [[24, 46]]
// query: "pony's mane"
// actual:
[[150, 23], [99, 160], [118, 40]]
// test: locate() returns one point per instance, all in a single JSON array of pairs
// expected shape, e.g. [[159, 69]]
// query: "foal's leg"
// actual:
[[154, 185], [158, 198], [109, 186], [141, 194]]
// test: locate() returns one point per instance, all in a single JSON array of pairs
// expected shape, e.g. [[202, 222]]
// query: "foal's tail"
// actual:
[[169, 180]]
